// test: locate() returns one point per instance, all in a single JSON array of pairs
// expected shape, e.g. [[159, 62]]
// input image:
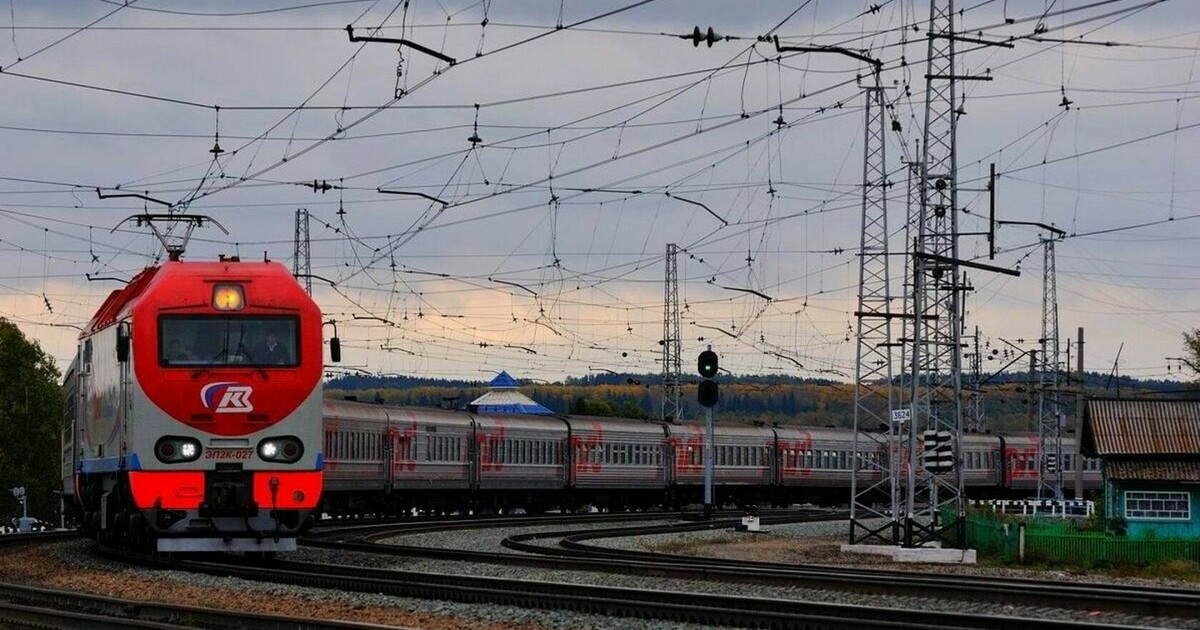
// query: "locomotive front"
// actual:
[[221, 433]]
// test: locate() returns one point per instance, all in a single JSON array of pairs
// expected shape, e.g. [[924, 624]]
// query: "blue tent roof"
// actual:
[[504, 381], [504, 398]]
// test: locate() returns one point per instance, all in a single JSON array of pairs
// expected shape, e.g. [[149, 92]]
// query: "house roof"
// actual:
[[1153, 470], [504, 380], [505, 401], [1139, 428]]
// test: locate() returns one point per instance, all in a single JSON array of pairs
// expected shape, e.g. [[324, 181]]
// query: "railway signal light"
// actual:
[[707, 393], [707, 365], [939, 452], [1051, 463]]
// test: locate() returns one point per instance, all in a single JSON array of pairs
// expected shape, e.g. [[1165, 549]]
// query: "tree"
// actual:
[[1191, 350], [30, 416]]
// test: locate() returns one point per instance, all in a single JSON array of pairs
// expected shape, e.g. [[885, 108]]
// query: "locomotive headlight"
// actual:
[[228, 297], [174, 450], [286, 449]]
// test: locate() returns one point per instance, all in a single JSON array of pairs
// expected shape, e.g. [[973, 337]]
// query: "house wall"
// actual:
[[1144, 527]]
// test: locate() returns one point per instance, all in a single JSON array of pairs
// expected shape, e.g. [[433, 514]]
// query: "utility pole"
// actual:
[[672, 362], [974, 412], [874, 398], [936, 352], [1050, 413], [1029, 385], [302, 260], [936, 343], [1079, 417]]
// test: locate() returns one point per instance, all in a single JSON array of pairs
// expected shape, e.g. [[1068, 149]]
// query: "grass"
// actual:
[[689, 546]]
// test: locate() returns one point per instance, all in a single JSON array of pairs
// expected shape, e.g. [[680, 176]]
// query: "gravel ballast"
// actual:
[[79, 568]]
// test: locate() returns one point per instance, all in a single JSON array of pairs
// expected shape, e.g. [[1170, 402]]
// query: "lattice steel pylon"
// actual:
[[672, 362], [875, 507], [302, 260], [1050, 416], [936, 351]]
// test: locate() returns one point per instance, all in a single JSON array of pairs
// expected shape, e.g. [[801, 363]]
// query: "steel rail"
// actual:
[[24, 606], [568, 551], [1141, 600], [69, 609], [623, 602], [335, 530]]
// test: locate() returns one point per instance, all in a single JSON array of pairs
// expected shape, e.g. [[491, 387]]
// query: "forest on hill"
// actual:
[[1009, 404]]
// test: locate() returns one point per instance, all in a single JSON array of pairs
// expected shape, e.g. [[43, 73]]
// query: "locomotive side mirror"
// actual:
[[123, 342], [335, 350]]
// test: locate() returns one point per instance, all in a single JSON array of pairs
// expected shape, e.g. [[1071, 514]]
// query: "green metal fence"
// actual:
[[1062, 542]]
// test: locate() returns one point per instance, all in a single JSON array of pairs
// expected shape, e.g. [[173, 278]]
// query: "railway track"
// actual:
[[617, 602], [23, 606], [704, 608], [568, 550]]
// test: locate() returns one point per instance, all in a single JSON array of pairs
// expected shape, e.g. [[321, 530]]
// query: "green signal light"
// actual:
[[707, 364]]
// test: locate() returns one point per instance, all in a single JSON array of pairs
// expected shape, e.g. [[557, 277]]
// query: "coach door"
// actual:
[[389, 453]]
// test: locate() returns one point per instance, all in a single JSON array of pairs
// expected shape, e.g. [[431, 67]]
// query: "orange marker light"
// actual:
[[228, 297]]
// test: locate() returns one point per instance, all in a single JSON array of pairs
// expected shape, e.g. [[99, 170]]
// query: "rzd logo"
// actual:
[[227, 397]]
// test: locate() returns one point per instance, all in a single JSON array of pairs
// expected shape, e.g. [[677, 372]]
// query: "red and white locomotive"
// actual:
[[194, 410]]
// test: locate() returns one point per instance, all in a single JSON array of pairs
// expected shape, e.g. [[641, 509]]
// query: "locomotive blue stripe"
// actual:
[[109, 464]]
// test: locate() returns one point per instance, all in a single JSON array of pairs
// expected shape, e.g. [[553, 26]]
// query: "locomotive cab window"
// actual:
[[235, 340]]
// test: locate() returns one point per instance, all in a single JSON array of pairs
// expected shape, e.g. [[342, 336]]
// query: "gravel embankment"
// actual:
[[813, 542], [73, 566]]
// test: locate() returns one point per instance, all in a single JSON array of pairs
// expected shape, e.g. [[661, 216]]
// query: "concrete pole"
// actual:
[[1079, 419], [709, 447], [1030, 387]]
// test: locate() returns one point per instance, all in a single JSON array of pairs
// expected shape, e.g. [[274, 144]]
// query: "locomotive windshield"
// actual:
[[236, 340]]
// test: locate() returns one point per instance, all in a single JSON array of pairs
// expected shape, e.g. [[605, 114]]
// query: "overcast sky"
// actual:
[[547, 256]]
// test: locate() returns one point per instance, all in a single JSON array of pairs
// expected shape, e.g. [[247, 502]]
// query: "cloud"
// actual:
[[565, 195]]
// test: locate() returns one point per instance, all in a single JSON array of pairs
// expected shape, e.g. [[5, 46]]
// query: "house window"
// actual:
[[1157, 505]]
